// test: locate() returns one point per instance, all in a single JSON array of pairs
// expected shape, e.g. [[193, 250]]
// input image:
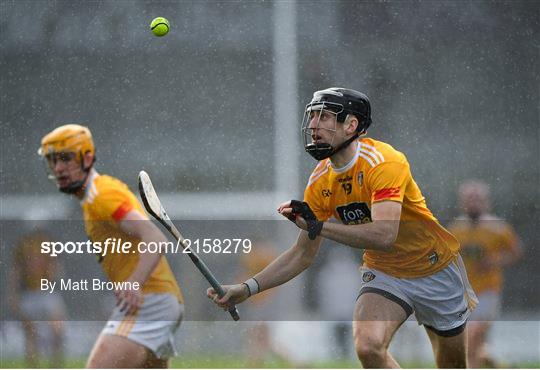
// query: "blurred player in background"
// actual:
[[339, 269], [140, 330], [411, 263], [488, 244], [260, 346], [27, 301]]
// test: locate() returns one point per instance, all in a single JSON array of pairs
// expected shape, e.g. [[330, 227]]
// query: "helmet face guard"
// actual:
[[340, 102], [319, 150], [76, 161]]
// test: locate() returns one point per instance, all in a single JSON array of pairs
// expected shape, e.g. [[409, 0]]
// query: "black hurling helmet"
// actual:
[[341, 102]]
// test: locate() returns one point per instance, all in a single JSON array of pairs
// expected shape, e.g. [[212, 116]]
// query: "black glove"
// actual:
[[302, 209]]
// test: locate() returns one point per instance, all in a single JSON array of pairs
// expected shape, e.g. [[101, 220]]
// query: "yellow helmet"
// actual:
[[72, 138], [68, 138]]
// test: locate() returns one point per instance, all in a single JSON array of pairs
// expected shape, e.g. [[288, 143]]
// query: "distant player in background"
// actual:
[[260, 345], [339, 269], [411, 262], [140, 330], [29, 304], [488, 244]]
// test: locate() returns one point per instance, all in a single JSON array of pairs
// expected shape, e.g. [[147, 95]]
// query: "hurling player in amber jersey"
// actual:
[[411, 262], [28, 302], [140, 330], [488, 244]]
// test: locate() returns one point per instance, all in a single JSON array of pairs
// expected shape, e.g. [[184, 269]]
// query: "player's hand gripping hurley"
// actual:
[[154, 207]]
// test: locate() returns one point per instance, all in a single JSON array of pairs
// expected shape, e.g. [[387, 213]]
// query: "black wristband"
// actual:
[[314, 228]]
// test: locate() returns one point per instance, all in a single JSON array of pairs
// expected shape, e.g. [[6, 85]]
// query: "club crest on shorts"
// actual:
[[368, 276], [433, 258]]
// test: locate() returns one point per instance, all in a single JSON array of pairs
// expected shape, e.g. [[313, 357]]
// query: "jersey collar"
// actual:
[[90, 186], [351, 163]]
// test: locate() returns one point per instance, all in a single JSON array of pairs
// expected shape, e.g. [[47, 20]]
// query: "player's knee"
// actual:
[[369, 349]]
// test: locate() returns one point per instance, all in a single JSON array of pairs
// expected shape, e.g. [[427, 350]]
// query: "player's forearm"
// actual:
[[285, 267], [376, 235], [148, 261], [138, 226]]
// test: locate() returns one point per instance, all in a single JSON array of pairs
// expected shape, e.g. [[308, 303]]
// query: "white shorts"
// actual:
[[153, 326], [489, 306], [37, 306], [442, 301]]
